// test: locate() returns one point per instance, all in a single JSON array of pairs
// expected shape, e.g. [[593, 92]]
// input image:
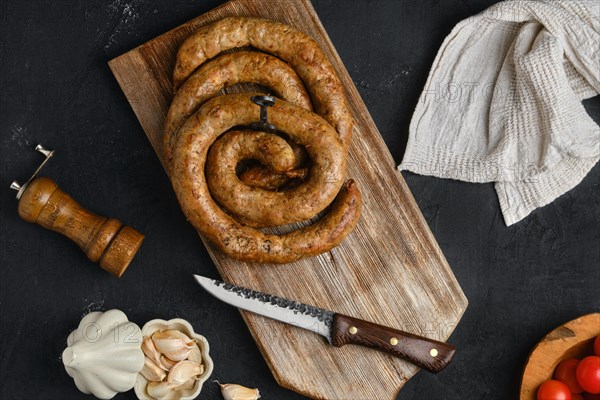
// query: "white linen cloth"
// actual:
[[503, 103]]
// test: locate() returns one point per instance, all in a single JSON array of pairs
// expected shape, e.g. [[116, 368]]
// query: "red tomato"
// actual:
[[588, 374], [565, 372], [597, 345], [553, 390]]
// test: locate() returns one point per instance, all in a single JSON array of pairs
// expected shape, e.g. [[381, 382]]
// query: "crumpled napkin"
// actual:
[[503, 103]]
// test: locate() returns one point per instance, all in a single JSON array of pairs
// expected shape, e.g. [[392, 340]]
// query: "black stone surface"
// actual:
[[521, 281]]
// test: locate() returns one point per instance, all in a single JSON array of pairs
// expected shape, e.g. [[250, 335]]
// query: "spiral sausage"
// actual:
[[243, 242], [328, 159], [297, 172]]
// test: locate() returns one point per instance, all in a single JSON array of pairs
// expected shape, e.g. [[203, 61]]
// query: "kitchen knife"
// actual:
[[338, 329]]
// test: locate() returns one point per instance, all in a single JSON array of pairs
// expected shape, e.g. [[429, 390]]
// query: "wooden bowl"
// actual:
[[574, 339]]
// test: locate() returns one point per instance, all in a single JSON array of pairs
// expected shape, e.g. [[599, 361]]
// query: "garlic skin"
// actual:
[[195, 355], [182, 372], [150, 350], [160, 390], [232, 391], [189, 384], [152, 372], [167, 364], [174, 344]]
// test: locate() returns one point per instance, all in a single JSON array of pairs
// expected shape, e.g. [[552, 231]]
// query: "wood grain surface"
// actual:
[[574, 339], [104, 240], [389, 270]]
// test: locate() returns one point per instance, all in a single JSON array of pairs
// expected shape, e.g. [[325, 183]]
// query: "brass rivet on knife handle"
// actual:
[[353, 330], [413, 348], [104, 240]]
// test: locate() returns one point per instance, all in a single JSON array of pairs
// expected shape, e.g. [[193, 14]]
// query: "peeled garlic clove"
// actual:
[[182, 371], [195, 355], [167, 364], [159, 390], [152, 372], [150, 350], [232, 391], [174, 344]]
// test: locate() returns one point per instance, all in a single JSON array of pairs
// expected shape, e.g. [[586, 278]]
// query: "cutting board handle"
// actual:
[[428, 354]]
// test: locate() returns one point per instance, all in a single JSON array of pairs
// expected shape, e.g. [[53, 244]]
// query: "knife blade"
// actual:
[[338, 329]]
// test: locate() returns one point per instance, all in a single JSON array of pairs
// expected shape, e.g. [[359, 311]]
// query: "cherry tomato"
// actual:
[[597, 345], [553, 390], [588, 374], [565, 372]]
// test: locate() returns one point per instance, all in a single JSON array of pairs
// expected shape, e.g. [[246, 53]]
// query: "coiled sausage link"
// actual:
[[300, 169], [246, 243]]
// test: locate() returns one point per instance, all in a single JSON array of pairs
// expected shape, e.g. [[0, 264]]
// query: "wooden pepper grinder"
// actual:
[[104, 240]]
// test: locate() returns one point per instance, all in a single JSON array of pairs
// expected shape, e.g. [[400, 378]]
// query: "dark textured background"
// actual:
[[57, 89]]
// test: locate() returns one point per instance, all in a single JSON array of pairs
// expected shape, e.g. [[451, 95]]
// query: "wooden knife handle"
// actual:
[[428, 354], [104, 240]]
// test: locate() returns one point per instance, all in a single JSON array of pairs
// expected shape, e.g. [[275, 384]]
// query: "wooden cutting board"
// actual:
[[389, 270]]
